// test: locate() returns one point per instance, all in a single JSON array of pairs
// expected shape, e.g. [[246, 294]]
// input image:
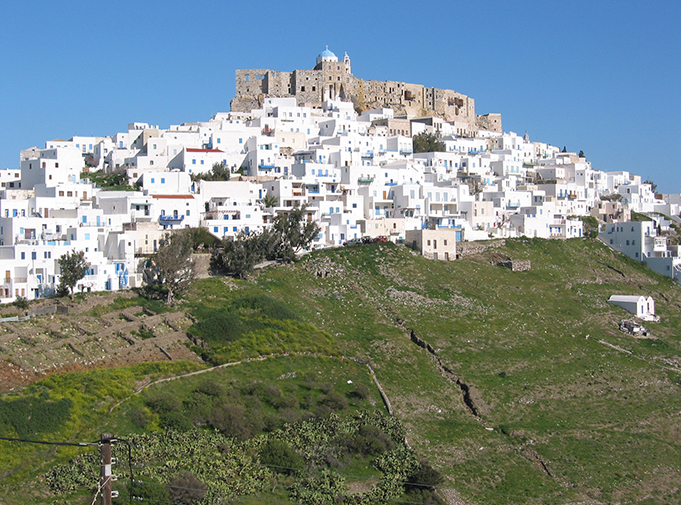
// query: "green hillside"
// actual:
[[515, 387]]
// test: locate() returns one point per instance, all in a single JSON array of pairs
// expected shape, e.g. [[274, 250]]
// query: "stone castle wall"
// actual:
[[334, 80]]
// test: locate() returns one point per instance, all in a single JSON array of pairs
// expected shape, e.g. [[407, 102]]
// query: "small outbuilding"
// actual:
[[437, 244], [641, 306]]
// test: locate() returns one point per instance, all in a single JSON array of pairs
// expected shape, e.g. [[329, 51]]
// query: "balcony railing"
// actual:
[[170, 220]]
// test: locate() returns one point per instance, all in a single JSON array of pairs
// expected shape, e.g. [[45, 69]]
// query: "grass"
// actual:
[[556, 394], [557, 385], [123, 302]]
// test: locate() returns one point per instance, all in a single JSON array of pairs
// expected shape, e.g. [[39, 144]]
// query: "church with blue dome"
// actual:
[[332, 79], [326, 55]]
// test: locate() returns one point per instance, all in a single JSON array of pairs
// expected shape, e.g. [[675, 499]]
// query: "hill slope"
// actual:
[[578, 409], [517, 386]]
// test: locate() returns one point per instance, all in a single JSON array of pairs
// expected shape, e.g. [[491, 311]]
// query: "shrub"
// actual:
[[281, 457], [425, 497], [28, 416], [210, 388], [234, 421], [370, 441], [21, 303], [149, 490], [162, 403], [361, 392], [335, 401], [176, 421], [186, 489], [424, 477], [141, 417]]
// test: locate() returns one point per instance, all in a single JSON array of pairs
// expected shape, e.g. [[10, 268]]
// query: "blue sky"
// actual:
[[598, 76]]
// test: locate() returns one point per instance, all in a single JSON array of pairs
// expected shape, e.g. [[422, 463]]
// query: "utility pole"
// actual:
[[105, 477]]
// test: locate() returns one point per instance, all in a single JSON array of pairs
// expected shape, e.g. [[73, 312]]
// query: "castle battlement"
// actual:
[[331, 79]]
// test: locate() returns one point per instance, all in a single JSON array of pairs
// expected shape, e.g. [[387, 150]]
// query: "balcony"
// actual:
[[51, 237], [365, 180], [170, 220]]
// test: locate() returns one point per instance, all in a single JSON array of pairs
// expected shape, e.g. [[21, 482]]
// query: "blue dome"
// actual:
[[326, 55]]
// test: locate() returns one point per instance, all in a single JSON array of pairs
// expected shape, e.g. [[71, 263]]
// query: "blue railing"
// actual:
[[170, 220]]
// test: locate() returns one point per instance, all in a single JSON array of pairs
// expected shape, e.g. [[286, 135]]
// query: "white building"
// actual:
[[641, 306]]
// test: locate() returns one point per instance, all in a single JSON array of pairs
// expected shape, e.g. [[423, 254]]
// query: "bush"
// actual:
[[21, 303], [281, 457], [370, 441], [335, 401], [424, 477], [178, 421], [210, 388], [170, 411], [234, 420], [186, 489], [162, 403], [425, 497], [29, 416], [148, 490], [361, 392], [141, 417]]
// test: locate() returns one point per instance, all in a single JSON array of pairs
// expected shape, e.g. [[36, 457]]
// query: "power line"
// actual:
[[140, 465], [46, 442]]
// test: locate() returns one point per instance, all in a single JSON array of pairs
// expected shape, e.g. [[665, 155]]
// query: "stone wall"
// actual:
[[516, 265], [470, 248], [490, 122], [334, 80]]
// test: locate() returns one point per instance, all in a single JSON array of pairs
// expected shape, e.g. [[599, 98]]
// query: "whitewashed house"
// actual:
[[641, 306]]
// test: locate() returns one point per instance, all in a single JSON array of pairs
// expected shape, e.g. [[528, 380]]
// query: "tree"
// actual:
[[293, 233], [218, 172], [240, 254], [269, 201], [653, 186], [427, 143], [564, 149], [73, 268], [581, 154], [173, 265]]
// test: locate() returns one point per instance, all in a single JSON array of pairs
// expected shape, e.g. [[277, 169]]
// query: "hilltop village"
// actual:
[[342, 147]]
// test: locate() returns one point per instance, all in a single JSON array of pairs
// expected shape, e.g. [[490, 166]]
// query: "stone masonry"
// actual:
[[334, 80]]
